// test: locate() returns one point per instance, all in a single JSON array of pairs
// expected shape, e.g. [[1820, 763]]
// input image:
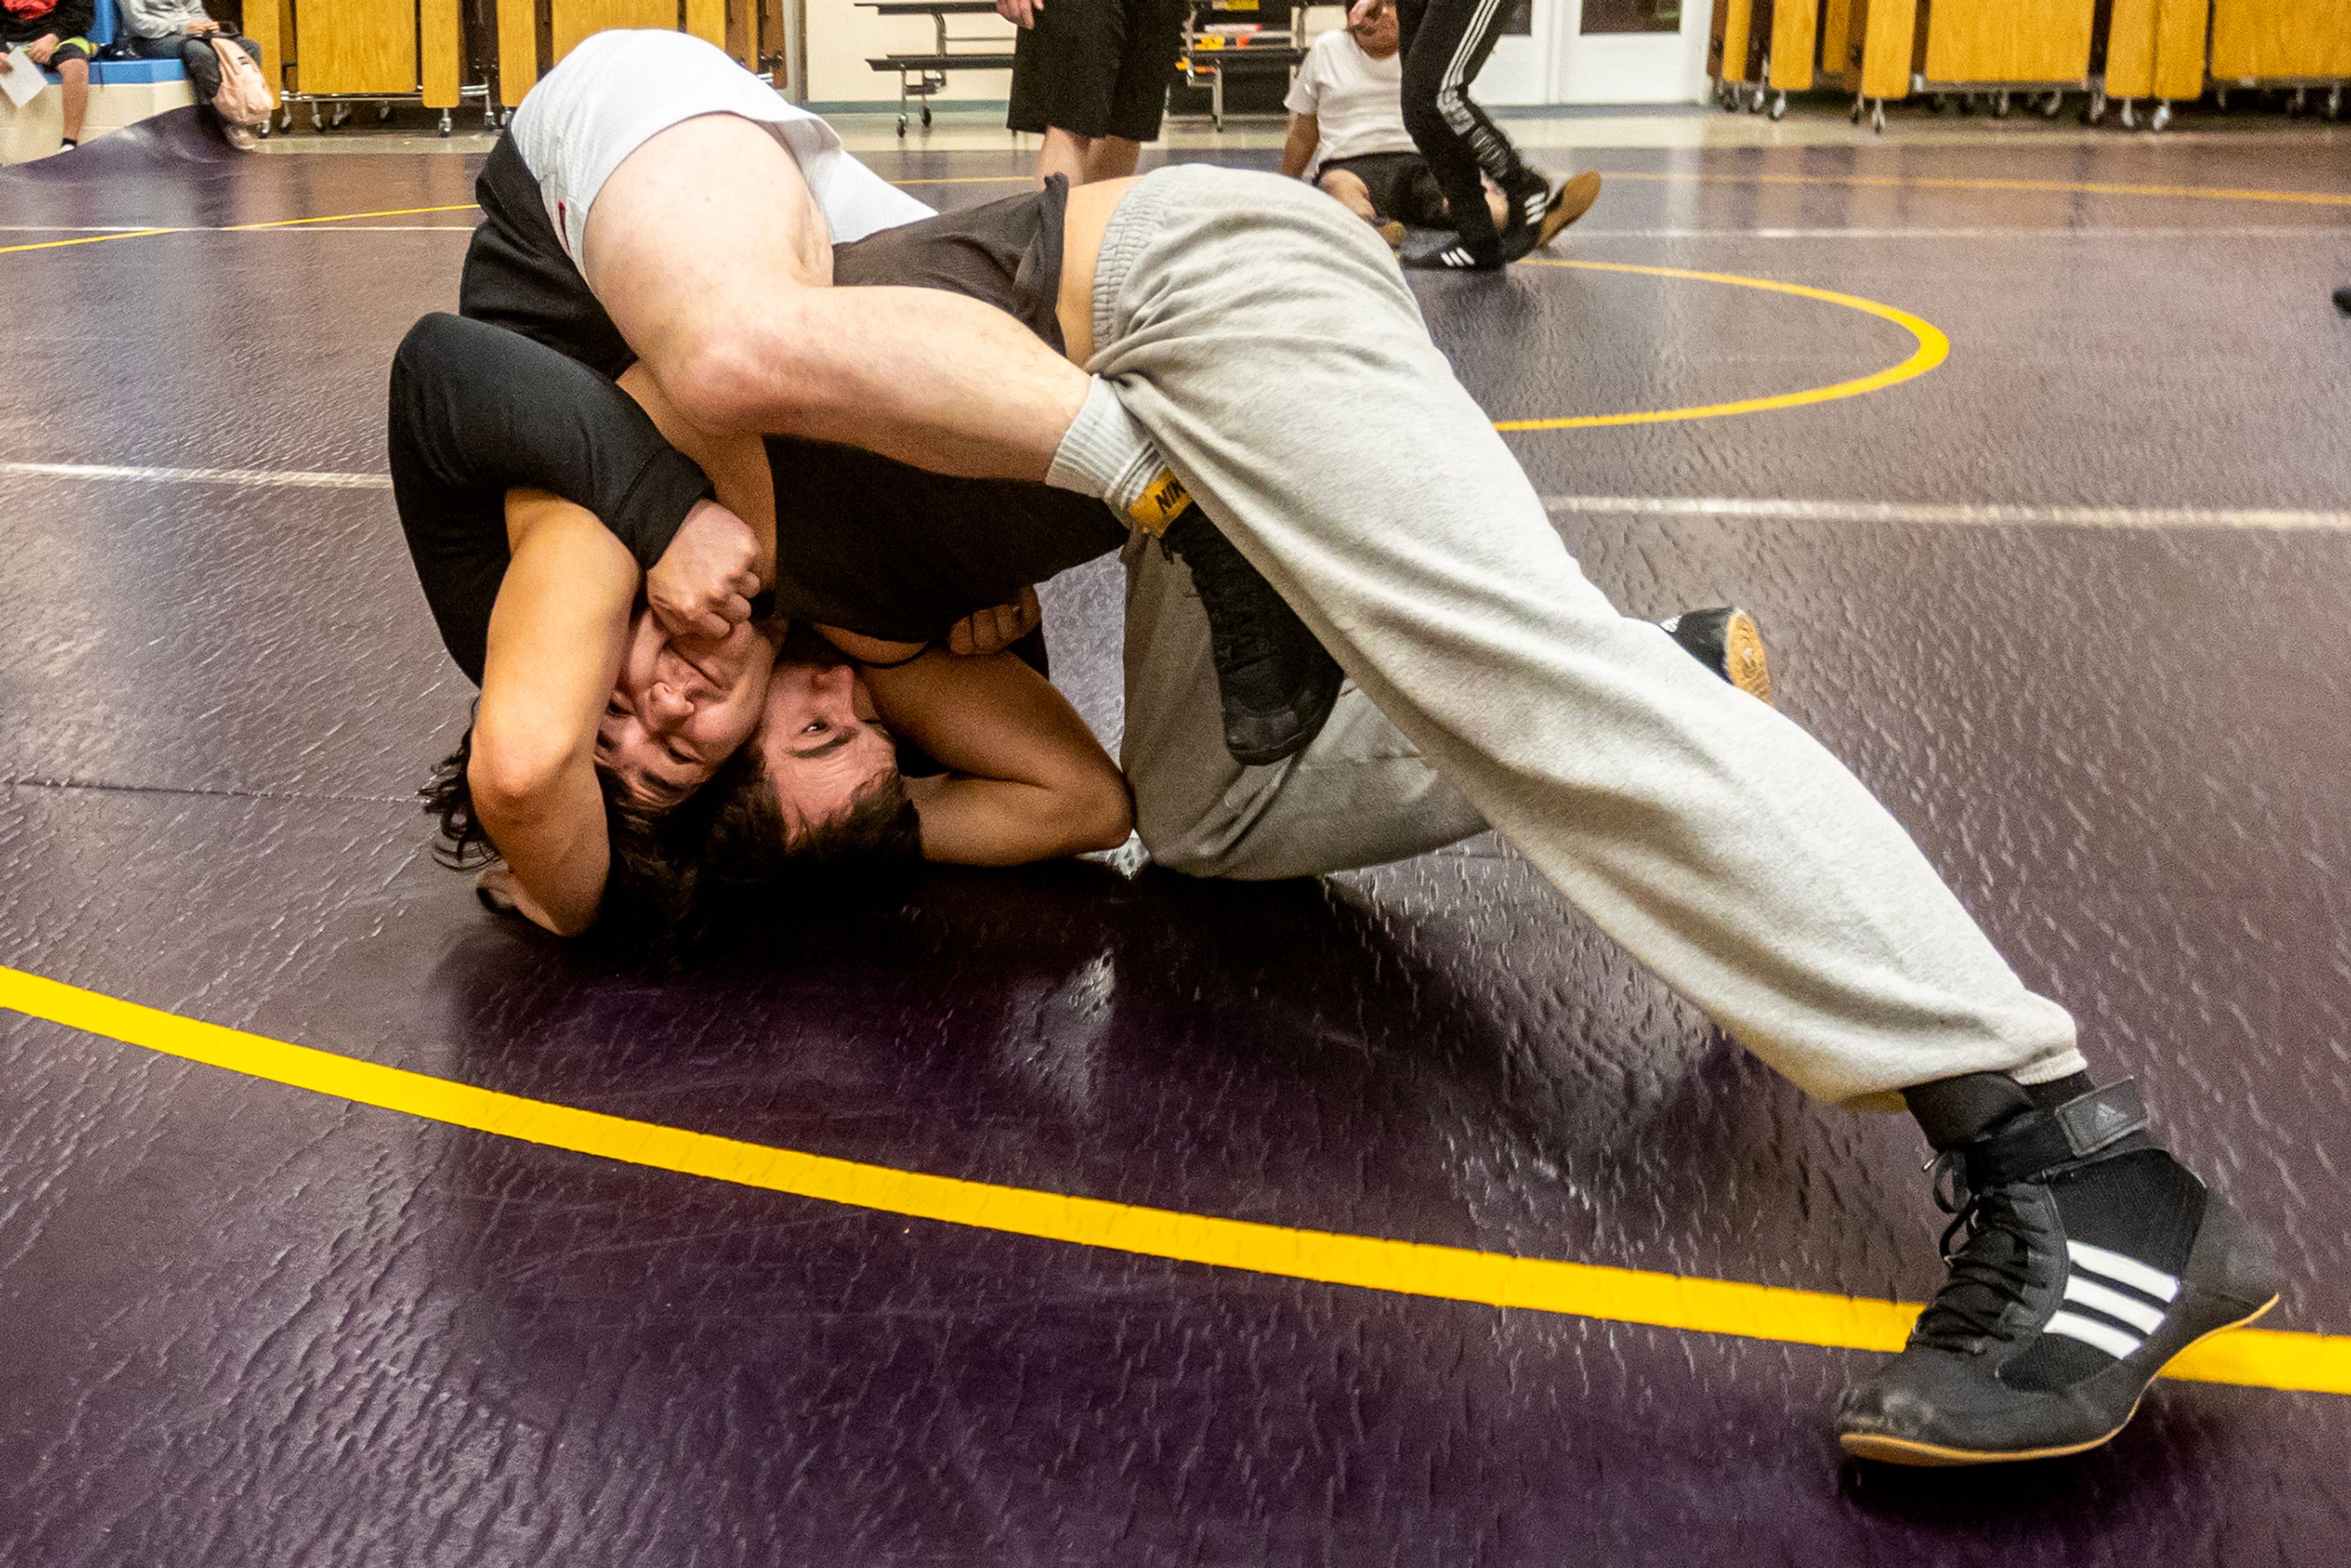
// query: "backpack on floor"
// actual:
[[244, 98]]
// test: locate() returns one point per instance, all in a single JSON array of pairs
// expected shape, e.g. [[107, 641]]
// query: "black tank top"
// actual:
[[873, 546], [862, 542]]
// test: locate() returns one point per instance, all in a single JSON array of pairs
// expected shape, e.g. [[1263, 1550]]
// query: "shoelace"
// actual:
[[1991, 1267]]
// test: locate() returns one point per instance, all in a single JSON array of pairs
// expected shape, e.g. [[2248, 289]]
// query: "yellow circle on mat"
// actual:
[[1932, 349]]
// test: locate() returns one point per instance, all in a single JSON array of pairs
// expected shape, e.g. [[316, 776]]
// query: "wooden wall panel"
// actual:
[[1736, 23], [743, 32], [441, 36], [2010, 40], [1795, 41], [707, 20], [1839, 51], [262, 24], [2130, 49], [517, 49], [2258, 38], [355, 45], [2179, 27], [1889, 36], [575, 19]]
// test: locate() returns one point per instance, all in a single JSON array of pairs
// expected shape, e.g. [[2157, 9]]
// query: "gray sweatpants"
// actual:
[[1265, 338]]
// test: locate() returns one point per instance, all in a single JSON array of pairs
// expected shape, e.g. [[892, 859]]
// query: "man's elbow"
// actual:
[[767, 378], [510, 781]]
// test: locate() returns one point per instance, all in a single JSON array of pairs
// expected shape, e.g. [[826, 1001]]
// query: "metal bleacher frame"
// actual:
[[1204, 64], [921, 74]]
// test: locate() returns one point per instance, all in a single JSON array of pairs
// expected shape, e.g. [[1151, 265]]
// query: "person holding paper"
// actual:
[[50, 33]]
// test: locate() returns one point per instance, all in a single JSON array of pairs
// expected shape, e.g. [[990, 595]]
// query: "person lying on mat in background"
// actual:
[[1716, 842], [53, 33], [1347, 135]]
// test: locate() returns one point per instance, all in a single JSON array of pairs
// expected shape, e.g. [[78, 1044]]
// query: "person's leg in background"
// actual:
[[1719, 844], [1065, 68], [1445, 44], [196, 58], [70, 60], [1348, 188], [1151, 38]]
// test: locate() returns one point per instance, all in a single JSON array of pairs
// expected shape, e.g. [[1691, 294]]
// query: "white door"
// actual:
[[1627, 51]]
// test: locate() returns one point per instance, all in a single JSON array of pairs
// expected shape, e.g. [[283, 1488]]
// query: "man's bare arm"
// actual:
[[708, 252], [1027, 780], [1305, 135], [556, 638]]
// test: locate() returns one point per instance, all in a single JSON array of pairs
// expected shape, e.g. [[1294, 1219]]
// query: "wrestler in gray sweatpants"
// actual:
[[1265, 339]]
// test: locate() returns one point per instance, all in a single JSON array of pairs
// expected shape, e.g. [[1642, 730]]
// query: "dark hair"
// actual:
[[732, 856], [633, 886], [726, 852]]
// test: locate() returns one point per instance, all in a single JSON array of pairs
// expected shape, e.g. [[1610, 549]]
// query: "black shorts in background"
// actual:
[[1401, 187], [1096, 68]]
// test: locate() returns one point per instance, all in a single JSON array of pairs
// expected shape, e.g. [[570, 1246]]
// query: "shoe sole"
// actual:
[[1574, 200], [1745, 664], [1932, 1456]]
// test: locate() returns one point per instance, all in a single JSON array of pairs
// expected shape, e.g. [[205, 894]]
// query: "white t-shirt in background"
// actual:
[[1357, 102]]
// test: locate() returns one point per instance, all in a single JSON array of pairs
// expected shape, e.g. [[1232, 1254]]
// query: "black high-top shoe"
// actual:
[[2082, 1258], [1727, 641], [1274, 681]]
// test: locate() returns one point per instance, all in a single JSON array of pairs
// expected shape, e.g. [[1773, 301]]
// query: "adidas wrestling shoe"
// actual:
[[1571, 201], [1727, 642], [1274, 681], [2082, 1258], [1451, 253]]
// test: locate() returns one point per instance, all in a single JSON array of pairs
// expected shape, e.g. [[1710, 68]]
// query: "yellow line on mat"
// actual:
[[2260, 1358], [86, 239], [1933, 348], [348, 217], [1939, 182]]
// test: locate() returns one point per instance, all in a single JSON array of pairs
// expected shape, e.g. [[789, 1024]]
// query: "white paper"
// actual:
[[23, 80]]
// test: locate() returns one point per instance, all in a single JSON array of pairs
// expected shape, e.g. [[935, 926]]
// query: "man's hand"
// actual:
[[1020, 13], [42, 47], [207, 25], [991, 630], [703, 583]]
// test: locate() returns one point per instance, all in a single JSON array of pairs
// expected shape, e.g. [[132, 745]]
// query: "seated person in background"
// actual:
[[51, 31], [182, 30], [1347, 127]]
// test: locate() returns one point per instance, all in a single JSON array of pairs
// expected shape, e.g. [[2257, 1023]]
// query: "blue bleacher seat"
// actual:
[[104, 29]]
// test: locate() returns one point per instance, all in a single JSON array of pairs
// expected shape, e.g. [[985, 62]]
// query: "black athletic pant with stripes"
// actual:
[[1446, 43]]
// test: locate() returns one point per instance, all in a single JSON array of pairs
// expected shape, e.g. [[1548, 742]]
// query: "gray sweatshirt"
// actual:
[[162, 18]]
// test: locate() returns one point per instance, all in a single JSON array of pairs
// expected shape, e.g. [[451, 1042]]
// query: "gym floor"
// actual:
[[2071, 599]]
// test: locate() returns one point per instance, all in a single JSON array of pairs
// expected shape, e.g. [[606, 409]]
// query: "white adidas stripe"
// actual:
[[2114, 1303], [2124, 1271], [2105, 1337]]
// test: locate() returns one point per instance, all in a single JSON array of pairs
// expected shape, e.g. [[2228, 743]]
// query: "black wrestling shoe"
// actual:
[[1727, 642], [1451, 253], [2086, 1258], [1274, 681]]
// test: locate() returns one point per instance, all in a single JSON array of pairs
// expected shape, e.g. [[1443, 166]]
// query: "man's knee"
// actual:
[[73, 72]]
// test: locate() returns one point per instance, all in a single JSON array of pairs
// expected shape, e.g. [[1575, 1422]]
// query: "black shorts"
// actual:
[[1096, 68], [1401, 185]]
